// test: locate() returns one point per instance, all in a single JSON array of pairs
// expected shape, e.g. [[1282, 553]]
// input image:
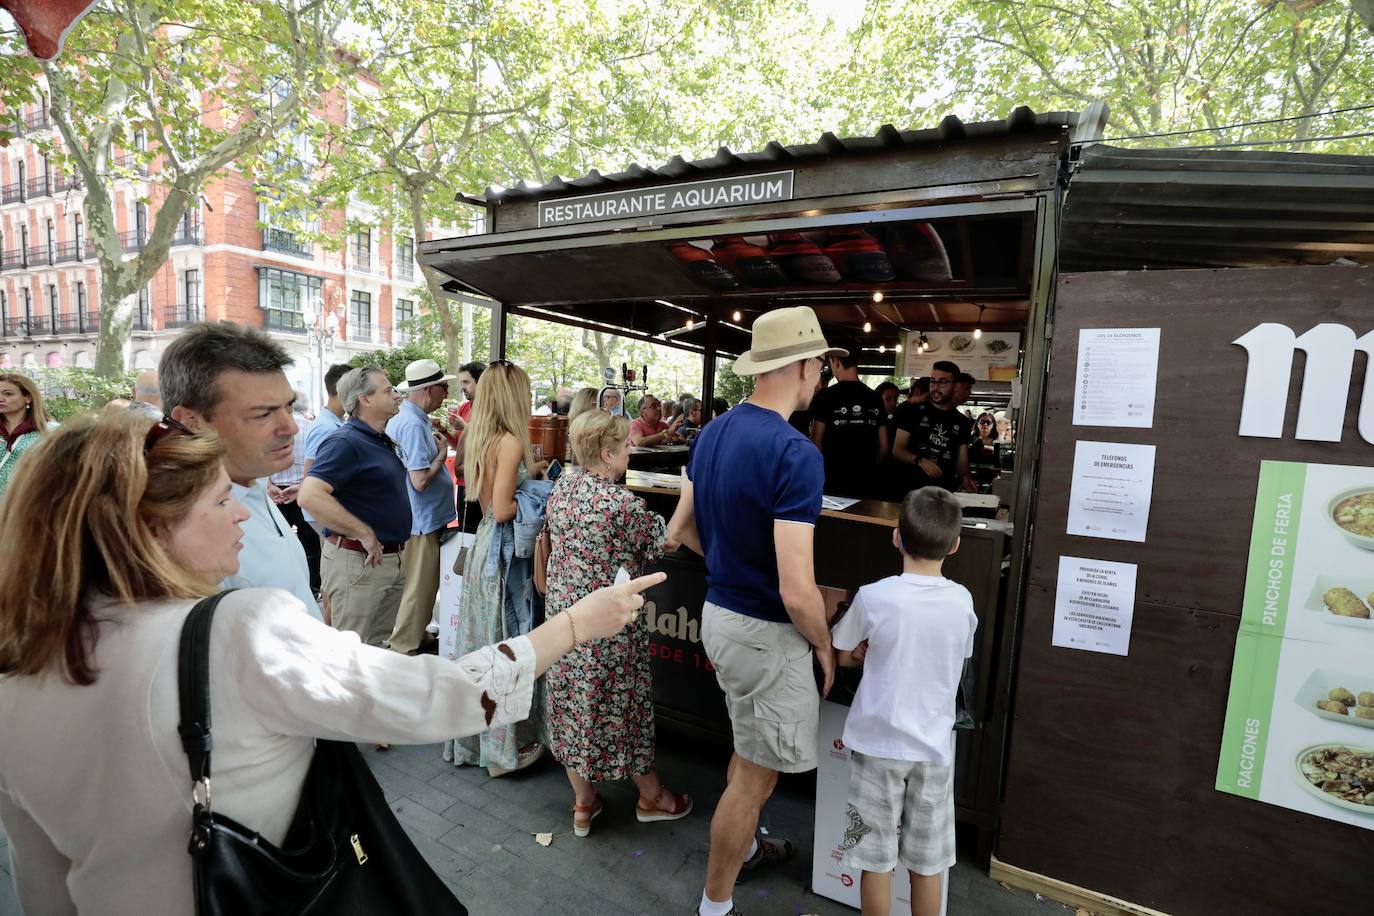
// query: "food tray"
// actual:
[[1321, 682]]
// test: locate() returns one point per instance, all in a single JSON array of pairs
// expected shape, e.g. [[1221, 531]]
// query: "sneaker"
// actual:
[[528, 755], [772, 851]]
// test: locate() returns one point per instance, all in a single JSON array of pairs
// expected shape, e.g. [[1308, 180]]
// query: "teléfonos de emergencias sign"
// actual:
[[692, 195]]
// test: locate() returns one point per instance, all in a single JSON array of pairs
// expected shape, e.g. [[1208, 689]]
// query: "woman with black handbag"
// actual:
[[110, 668]]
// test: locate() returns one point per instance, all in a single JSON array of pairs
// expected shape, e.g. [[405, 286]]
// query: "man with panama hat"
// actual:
[[430, 489], [750, 499]]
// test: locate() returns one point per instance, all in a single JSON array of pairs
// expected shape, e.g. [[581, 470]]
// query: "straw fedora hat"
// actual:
[[784, 336], [422, 373]]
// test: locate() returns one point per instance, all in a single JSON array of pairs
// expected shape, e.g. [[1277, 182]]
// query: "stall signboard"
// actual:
[[989, 357], [677, 198], [1300, 718]]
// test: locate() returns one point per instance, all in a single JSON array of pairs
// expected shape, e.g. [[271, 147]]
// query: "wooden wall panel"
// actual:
[[1112, 759]]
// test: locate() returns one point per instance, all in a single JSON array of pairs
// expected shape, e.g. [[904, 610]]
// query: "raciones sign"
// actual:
[[692, 195]]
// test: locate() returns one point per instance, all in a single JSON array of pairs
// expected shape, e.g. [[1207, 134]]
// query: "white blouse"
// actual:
[[95, 790]]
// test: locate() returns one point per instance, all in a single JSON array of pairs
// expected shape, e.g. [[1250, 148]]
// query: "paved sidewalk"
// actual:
[[477, 832]]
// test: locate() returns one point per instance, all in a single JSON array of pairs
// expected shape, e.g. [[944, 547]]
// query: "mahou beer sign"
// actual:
[[1330, 368]]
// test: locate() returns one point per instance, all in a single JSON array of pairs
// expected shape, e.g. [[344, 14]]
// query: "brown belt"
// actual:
[[339, 540]]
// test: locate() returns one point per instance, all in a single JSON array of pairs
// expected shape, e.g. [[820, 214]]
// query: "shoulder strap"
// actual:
[[193, 685]]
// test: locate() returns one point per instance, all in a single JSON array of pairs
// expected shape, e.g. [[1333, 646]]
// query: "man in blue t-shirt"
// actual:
[[749, 505]]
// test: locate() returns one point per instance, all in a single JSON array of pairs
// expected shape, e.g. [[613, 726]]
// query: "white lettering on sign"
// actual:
[[693, 195], [1330, 350]]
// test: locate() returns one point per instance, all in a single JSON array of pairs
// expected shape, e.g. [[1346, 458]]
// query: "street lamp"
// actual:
[[321, 331]]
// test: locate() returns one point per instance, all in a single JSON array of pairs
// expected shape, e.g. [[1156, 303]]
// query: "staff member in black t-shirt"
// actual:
[[848, 425], [932, 438]]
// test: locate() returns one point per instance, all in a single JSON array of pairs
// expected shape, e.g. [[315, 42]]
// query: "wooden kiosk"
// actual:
[[1088, 773]]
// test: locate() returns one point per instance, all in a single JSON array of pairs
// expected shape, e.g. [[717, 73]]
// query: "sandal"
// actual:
[[529, 754], [583, 815], [648, 811]]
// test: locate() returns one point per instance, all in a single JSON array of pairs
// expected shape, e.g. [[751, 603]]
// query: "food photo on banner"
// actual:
[[1300, 719]]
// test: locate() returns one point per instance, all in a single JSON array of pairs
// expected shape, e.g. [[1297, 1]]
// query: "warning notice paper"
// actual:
[[1299, 729], [1093, 605]]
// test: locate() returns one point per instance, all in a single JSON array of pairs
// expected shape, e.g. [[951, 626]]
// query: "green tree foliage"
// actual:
[[191, 84]]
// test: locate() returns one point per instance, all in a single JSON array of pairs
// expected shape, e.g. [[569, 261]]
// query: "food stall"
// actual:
[[909, 239]]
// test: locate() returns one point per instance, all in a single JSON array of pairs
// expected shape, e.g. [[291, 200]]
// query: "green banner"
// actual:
[[1264, 618]]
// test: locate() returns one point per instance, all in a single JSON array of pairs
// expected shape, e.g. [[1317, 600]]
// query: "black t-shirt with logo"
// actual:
[[853, 415], [936, 434]]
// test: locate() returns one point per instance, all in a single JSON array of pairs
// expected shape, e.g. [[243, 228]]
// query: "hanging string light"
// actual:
[[868, 327], [923, 342], [690, 324], [978, 331], [878, 296], [736, 317]]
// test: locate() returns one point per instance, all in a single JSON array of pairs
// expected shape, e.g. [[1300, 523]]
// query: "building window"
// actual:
[[361, 249], [360, 315], [52, 298], [405, 258], [52, 237], [79, 235], [285, 295], [21, 171], [144, 304], [80, 297], [141, 220], [404, 313], [190, 286]]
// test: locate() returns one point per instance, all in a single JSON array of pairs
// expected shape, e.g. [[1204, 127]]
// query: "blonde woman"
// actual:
[[583, 401], [23, 421], [601, 698], [140, 523], [497, 459]]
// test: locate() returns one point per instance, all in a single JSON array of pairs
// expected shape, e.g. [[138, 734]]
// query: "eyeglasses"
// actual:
[[941, 381], [984, 422], [161, 430]]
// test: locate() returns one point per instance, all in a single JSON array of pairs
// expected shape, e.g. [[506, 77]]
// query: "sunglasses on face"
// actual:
[[161, 430]]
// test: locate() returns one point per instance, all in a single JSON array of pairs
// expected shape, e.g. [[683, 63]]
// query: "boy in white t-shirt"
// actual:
[[911, 633]]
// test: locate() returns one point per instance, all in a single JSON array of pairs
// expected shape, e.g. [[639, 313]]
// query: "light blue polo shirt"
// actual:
[[431, 508], [319, 430]]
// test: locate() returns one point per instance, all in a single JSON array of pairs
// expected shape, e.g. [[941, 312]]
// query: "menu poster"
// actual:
[[1111, 490], [1299, 726], [1094, 604], [1117, 370], [992, 357]]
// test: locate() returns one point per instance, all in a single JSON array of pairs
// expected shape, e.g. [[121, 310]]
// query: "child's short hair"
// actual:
[[930, 523]]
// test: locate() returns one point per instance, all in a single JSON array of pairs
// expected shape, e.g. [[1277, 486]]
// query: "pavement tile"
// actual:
[[418, 818]]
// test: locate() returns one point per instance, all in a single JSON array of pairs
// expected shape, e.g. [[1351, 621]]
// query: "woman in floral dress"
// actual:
[[497, 459], [600, 696]]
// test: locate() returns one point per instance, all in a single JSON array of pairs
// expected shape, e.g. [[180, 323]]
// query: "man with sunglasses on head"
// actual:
[[430, 489], [218, 376], [931, 448]]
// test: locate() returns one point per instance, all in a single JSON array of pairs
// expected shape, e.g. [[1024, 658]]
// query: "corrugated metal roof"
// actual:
[[1129, 209], [951, 130]]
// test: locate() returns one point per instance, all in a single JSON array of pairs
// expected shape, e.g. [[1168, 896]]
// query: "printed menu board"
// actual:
[[991, 357], [1300, 719]]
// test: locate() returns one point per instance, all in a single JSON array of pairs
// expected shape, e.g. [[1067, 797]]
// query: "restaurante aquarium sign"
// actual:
[[691, 195]]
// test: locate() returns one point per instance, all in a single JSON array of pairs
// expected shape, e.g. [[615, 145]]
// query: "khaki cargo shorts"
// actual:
[[770, 691]]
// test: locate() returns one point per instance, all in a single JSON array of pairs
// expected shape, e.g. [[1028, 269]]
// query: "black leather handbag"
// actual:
[[345, 852]]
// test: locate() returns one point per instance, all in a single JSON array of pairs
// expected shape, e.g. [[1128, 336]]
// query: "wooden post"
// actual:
[[498, 330]]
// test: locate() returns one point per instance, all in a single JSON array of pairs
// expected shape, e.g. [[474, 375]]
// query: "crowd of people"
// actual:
[[329, 532]]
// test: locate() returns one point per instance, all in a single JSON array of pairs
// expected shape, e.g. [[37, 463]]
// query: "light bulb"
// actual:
[[977, 333], [690, 323], [868, 327], [878, 296], [897, 349], [736, 317], [882, 348]]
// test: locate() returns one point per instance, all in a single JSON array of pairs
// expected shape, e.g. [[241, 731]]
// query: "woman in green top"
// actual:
[[22, 421]]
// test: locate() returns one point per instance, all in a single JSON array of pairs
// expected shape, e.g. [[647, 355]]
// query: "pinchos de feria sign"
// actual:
[[691, 195]]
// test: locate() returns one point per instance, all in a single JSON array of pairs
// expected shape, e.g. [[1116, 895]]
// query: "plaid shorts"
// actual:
[[885, 795]]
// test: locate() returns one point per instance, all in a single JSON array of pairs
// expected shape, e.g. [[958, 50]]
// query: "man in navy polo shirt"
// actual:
[[749, 505], [357, 490]]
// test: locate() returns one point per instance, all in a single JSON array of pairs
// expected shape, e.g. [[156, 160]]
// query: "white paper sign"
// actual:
[[1117, 370], [1093, 605], [1111, 490]]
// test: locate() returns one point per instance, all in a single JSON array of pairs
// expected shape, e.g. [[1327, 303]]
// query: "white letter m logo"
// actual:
[[1330, 350]]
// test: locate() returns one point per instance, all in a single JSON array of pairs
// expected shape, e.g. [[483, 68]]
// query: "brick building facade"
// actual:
[[227, 262]]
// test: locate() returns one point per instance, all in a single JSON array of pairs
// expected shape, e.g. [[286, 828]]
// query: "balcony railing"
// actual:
[[37, 120], [133, 241], [141, 320], [283, 321], [37, 325], [280, 240], [405, 269], [12, 192], [38, 255], [12, 259], [179, 316], [69, 323], [72, 251], [129, 161], [400, 337], [39, 187], [64, 182], [187, 234], [367, 333]]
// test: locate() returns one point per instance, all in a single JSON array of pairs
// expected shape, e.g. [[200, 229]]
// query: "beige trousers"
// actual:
[[421, 562], [362, 599]]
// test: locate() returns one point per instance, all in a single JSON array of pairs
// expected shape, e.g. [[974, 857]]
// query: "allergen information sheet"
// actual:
[[1111, 490], [1117, 370], [1094, 605]]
